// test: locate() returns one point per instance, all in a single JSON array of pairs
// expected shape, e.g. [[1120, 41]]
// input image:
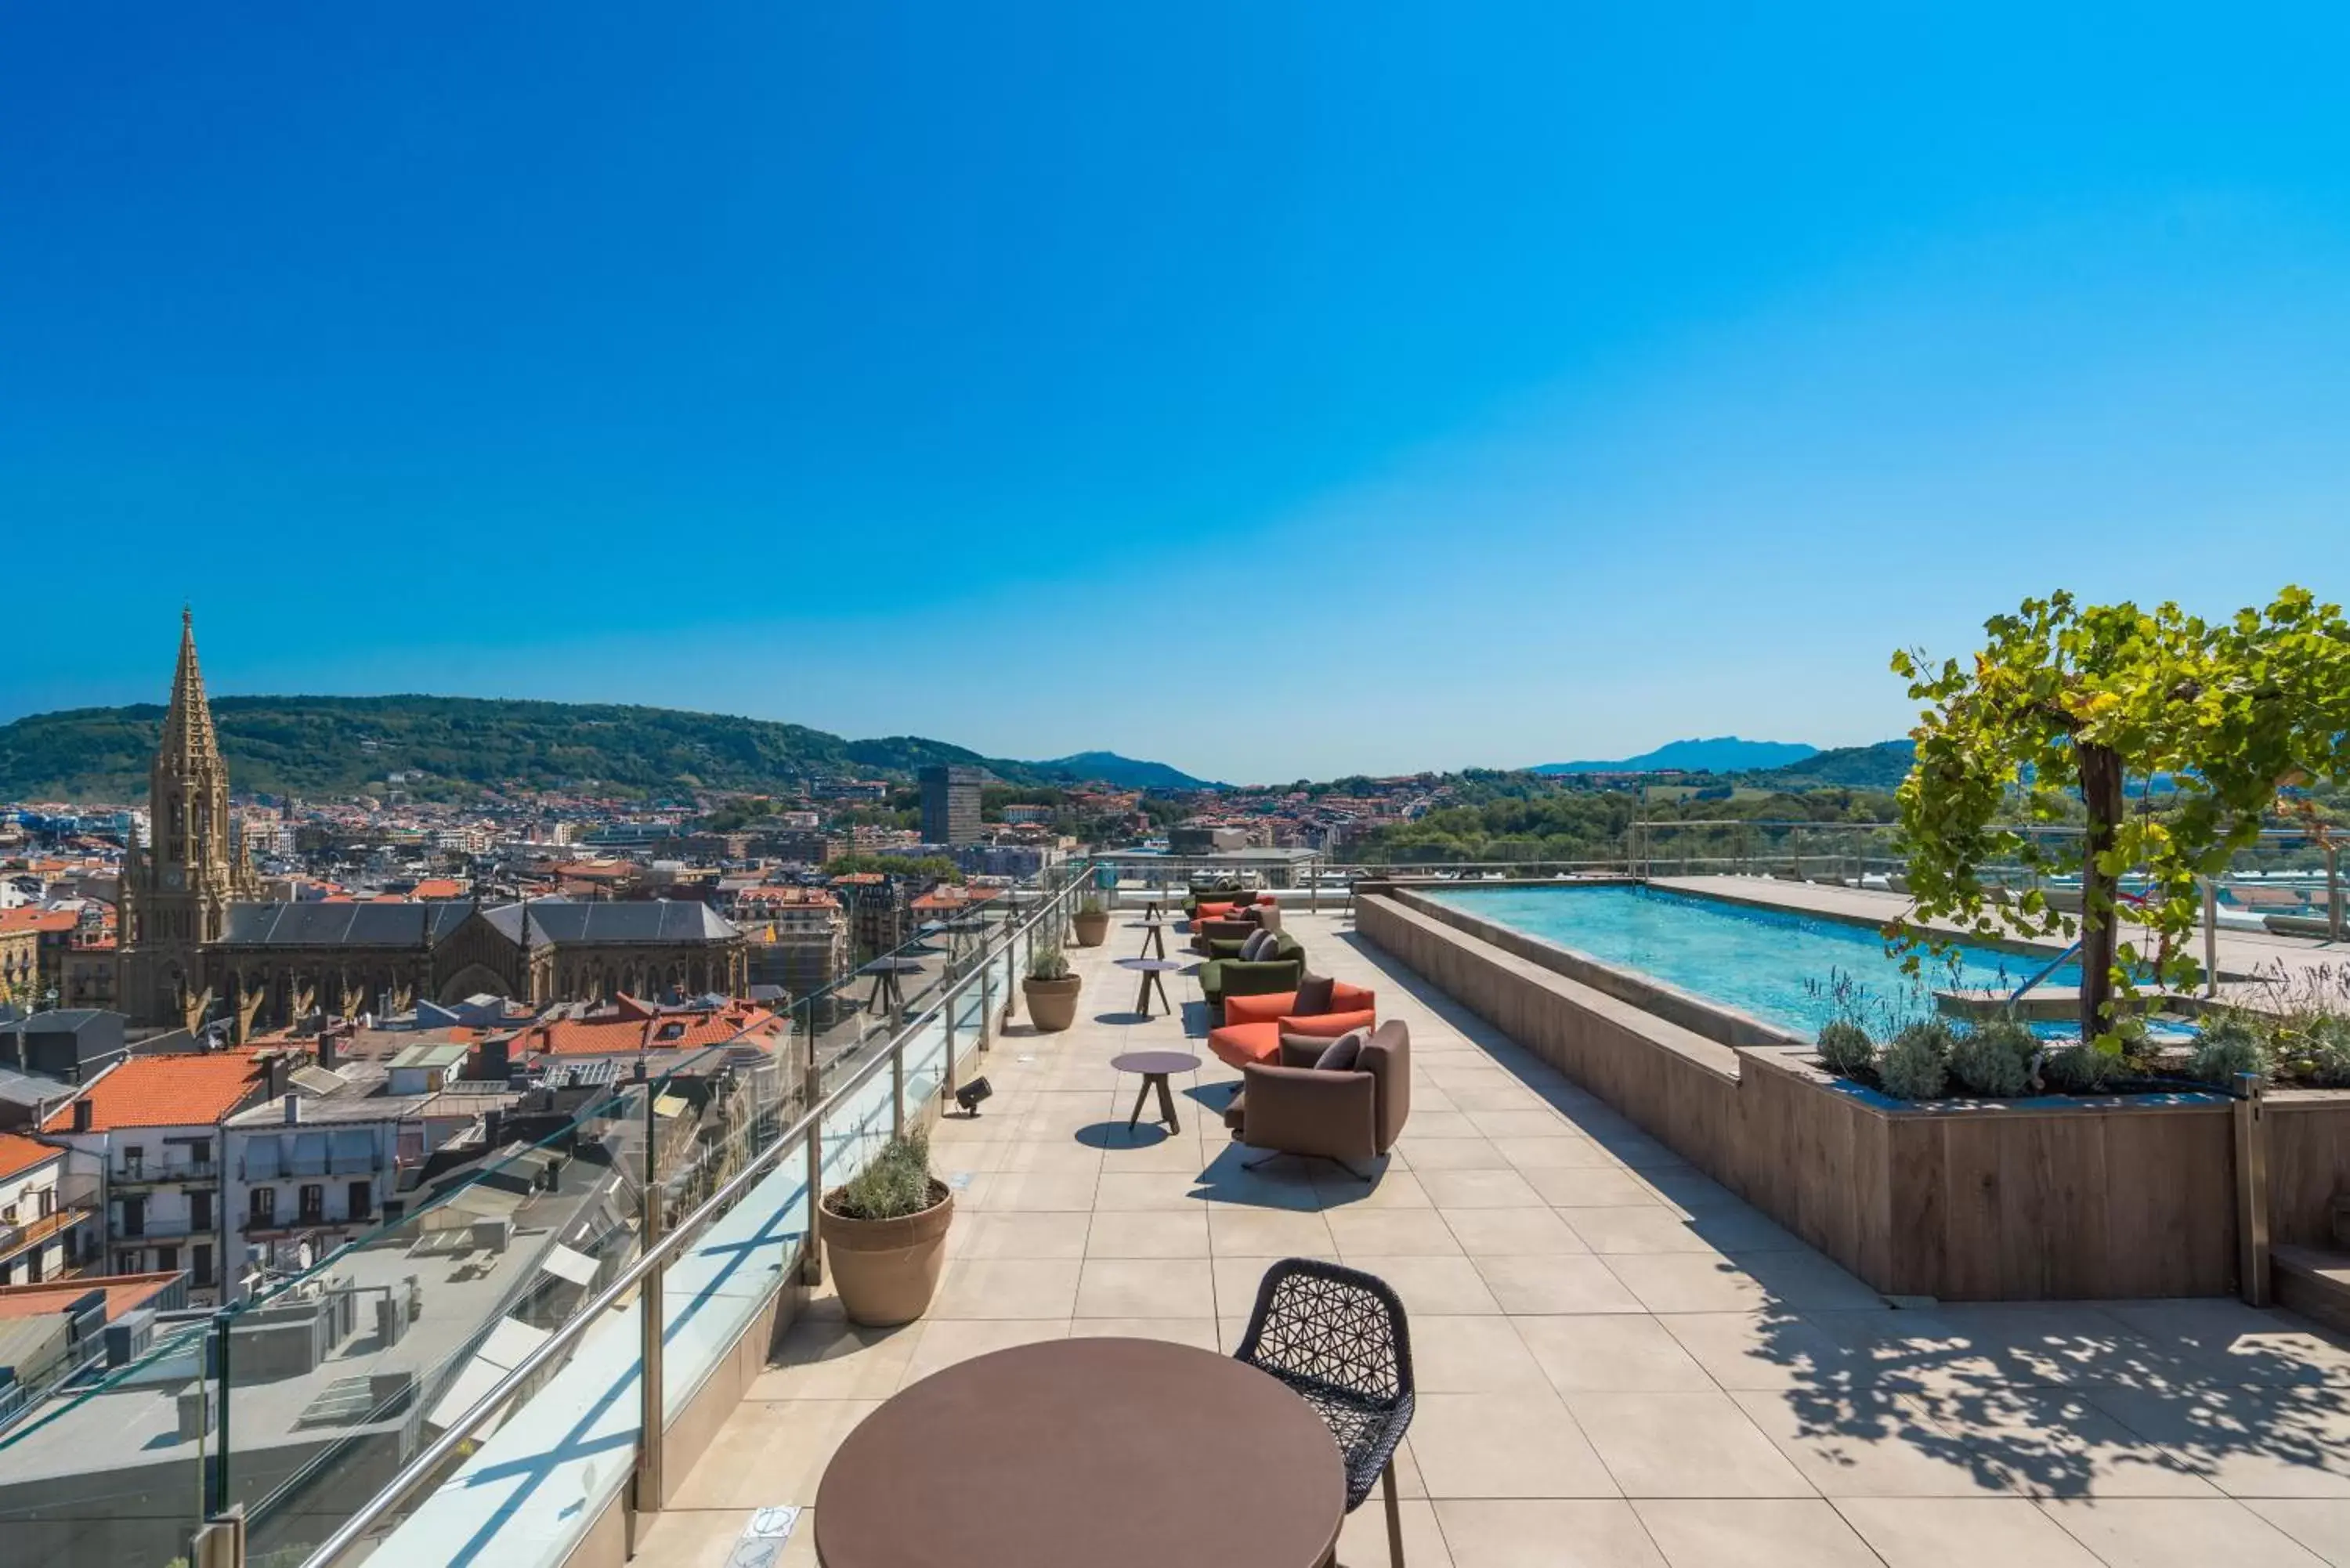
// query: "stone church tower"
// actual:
[[176, 893]]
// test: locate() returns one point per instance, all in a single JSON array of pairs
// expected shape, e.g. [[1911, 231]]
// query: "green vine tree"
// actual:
[[2071, 701]]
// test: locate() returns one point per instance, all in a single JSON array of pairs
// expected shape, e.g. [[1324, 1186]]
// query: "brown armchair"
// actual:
[[1292, 1107]]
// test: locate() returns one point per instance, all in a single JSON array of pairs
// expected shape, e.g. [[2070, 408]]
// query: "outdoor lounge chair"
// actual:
[[1349, 1115], [1223, 978], [1254, 1024], [1338, 1338]]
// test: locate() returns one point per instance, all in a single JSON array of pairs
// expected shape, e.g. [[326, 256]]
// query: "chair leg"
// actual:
[[1394, 1516]]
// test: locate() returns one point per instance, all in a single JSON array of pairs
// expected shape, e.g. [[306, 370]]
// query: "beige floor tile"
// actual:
[[1771, 1351], [1480, 1190], [1007, 1287], [1363, 1544], [1470, 1354], [1442, 1125], [829, 1359], [1061, 1155], [1057, 1233], [1610, 1353], [707, 1537], [1363, 1234], [772, 1451], [1689, 1190], [1149, 1233], [1502, 1094], [2054, 1443], [1006, 1191], [1683, 1445], [946, 1341], [1752, 1532], [1133, 1190], [1146, 1287], [1530, 1283], [1638, 1228], [1520, 1123], [1435, 1285], [1589, 1187], [2248, 1442], [1187, 1152], [1426, 1154], [1561, 1151], [1875, 1446], [2178, 1532], [1529, 1533], [1234, 1230], [1503, 1444], [1961, 1532], [1687, 1281], [2321, 1524], [1502, 1232], [1200, 1331], [1395, 1189]]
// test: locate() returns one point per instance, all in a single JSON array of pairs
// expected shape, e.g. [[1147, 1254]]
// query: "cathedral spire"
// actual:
[[188, 722]]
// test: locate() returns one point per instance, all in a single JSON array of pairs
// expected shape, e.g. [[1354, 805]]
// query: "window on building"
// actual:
[[200, 1262], [134, 1158], [314, 1204], [263, 1212], [134, 1217], [362, 1196], [200, 1210], [201, 1151], [167, 1259]]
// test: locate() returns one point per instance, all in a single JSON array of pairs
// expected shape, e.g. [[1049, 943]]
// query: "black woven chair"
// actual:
[[1337, 1336]]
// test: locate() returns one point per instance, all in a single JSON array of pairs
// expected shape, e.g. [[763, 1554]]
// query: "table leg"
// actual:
[[1159, 985], [1140, 1095], [1142, 995], [1167, 1102]]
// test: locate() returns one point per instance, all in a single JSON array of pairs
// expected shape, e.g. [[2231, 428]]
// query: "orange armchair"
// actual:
[[1253, 1026]]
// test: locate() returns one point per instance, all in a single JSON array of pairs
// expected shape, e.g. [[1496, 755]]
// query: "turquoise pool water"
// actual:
[[1774, 965]]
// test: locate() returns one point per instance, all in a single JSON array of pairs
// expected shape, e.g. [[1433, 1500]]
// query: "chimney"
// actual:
[[327, 1041], [293, 1110], [85, 1115]]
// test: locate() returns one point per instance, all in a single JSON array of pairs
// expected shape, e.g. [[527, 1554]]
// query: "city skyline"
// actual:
[[1560, 385]]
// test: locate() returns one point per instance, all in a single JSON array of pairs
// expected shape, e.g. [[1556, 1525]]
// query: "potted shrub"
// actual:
[[1092, 922], [884, 1235], [1050, 988]]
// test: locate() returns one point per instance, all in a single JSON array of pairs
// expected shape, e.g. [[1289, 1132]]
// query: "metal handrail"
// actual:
[[422, 1469]]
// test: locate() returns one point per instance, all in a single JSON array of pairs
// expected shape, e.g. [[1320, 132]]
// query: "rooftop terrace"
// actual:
[[1619, 1362]]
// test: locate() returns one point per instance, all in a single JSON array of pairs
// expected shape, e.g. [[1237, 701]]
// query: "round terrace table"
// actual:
[[1154, 1067], [1154, 935], [889, 992], [1078, 1452], [1152, 970]]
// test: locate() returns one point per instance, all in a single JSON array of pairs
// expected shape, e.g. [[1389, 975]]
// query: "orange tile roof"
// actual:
[[28, 919], [631, 1030], [166, 1091], [124, 1292], [20, 1154], [440, 887]]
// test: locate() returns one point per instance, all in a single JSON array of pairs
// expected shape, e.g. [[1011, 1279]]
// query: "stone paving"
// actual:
[[1618, 1363]]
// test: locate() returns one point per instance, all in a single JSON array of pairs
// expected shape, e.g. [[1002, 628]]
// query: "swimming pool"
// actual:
[[1778, 965]]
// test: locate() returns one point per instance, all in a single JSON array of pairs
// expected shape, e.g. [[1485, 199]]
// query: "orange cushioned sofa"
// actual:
[[1253, 1026]]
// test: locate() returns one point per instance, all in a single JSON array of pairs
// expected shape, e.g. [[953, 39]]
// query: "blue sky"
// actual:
[[1274, 389]]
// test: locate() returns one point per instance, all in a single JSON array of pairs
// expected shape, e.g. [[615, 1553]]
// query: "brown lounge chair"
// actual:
[[1347, 1116]]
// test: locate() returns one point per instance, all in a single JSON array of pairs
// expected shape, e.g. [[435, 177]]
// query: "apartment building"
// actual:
[[153, 1126], [49, 1215]]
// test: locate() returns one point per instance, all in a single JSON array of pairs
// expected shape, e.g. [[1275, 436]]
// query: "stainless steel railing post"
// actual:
[[2252, 1192], [651, 1322], [811, 1252]]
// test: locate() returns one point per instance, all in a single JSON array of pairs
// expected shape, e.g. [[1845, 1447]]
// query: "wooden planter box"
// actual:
[[2044, 1199]]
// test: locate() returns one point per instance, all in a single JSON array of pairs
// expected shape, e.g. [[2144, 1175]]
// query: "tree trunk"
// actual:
[[2101, 791]]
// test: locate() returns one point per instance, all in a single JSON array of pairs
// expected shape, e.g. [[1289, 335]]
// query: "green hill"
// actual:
[[1882, 766], [454, 747]]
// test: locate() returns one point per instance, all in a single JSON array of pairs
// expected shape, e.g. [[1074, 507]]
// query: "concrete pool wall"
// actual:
[[2034, 1199]]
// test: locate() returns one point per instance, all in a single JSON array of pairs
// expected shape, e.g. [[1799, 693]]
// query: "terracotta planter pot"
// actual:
[[1092, 930], [1052, 1003], [885, 1270]]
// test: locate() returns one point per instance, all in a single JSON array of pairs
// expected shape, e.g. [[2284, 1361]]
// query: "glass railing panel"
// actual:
[[336, 1373], [115, 1465], [925, 1064]]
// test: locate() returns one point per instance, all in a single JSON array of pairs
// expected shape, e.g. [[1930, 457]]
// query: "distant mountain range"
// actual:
[[1120, 772], [456, 747], [1767, 764], [1723, 755]]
